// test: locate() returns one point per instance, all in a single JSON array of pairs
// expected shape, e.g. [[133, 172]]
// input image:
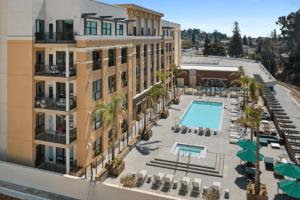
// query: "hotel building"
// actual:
[[58, 59]]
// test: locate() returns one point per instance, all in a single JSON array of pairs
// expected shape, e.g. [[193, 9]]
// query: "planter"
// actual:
[[176, 100], [263, 195], [115, 171], [102, 175], [147, 135], [165, 114]]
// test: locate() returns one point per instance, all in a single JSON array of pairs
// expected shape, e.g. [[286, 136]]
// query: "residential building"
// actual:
[[60, 58]]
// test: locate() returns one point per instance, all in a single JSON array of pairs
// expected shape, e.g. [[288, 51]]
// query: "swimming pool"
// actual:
[[186, 149], [203, 114]]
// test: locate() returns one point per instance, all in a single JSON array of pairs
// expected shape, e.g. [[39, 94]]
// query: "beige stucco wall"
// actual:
[[3, 80], [20, 101]]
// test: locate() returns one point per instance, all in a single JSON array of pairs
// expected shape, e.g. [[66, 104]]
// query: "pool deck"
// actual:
[[163, 139]]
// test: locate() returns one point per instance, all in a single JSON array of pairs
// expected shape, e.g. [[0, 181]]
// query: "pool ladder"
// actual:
[[177, 160], [188, 164]]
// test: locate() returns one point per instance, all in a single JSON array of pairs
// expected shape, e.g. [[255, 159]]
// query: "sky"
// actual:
[[256, 17]]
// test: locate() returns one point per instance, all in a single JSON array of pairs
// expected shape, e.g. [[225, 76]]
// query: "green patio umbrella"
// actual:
[[288, 169], [247, 144], [248, 155], [291, 188]]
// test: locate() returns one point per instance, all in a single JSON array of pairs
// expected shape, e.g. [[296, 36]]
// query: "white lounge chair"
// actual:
[[167, 180], [141, 176], [217, 186], [184, 185], [158, 179], [233, 141], [196, 187]]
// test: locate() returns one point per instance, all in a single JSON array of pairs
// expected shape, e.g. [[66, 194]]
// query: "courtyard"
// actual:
[[219, 165]]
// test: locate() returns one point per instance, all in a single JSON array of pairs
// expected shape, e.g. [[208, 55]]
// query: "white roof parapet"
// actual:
[[210, 68]]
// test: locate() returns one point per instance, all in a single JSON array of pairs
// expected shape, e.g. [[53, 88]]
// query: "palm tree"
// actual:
[[158, 92], [254, 88], [244, 120], [245, 81], [110, 114], [175, 72], [255, 119]]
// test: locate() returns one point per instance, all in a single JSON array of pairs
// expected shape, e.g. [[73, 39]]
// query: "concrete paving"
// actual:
[[163, 137]]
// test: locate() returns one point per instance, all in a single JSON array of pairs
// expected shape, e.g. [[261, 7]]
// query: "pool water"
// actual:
[[187, 149], [203, 114]]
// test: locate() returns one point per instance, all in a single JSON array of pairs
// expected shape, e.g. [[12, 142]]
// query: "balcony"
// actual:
[[64, 37], [59, 137], [58, 104], [54, 70]]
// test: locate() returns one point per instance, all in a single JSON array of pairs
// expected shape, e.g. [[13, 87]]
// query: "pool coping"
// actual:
[[222, 114], [202, 154]]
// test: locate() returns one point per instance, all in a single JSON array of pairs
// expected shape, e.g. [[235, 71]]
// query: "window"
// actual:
[[139, 108], [39, 26], [138, 72], [120, 29], [145, 85], [125, 104], [97, 60], [106, 29], [111, 57], [138, 87], [97, 89], [124, 55], [91, 28], [124, 79], [138, 51], [110, 135], [97, 121], [145, 50], [134, 31], [148, 32], [124, 126], [97, 147], [112, 83], [142, 31], [50, 153]]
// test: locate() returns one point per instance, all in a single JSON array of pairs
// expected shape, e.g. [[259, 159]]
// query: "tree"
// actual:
[[255, 119], [254, 88], [110, 115], [235, 46], [245, 41], [175, 72], [193, 39], [245, 81], [156, 93], [290, 29], [244, 120], [250, 41], [163, 76], [206, 45]]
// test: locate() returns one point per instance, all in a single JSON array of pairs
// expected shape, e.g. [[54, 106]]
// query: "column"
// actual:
[[67, 129], [67, 96], [67, 63], [154, 62], [67, 160]]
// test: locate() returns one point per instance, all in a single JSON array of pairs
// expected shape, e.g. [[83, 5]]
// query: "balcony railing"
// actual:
[[58, 137], [64, 37], [55, 104], [54, 70]]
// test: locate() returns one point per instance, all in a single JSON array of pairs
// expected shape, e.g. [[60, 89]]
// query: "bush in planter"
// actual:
[[212, 194], [128, 181], [114, 163]]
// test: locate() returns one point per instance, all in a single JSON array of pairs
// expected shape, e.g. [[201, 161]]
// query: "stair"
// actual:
[[216, 171]]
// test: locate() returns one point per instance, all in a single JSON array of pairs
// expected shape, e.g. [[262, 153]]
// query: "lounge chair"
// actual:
[[217, 186], [141, 176], [158, 179], [200, 131], [177, 128], [184, 185], [168, 180], [184, 129], [196, 187], [233, 141], [207, 132]]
